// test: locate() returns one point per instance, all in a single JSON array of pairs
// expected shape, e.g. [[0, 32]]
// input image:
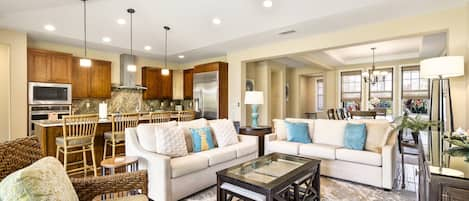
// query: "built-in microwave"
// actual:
[[49, 94]]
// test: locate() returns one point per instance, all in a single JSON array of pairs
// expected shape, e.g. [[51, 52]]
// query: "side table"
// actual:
[[129, 163], [260, 132]]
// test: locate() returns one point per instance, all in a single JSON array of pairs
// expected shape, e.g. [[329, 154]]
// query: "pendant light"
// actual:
[[165, 70], [375, 75], [85, 62], [131, 67]]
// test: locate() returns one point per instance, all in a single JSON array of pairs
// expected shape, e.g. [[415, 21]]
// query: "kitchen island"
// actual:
[[48, 130]]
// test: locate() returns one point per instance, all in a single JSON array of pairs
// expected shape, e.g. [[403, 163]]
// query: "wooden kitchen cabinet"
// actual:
[[100, 79], [92, 82], [158, 86], [188, 83], [49, 66]]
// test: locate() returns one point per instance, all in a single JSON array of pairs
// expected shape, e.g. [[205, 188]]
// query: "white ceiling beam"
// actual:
[[308, 60]]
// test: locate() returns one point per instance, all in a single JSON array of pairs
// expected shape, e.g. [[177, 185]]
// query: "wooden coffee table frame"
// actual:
[[282, 189]]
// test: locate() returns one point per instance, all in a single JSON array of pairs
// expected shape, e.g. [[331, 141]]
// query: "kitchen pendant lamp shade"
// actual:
[[132, 68], [165, 71], [254, 98], [444, 67], [85, 62]]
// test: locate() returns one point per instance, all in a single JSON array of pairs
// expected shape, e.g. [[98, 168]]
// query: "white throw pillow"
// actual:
[[280, 129], [170, 141], [146, 134], [225, 132]]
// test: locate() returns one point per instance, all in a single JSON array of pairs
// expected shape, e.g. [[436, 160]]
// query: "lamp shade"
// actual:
[[449, 66], [254, 98]]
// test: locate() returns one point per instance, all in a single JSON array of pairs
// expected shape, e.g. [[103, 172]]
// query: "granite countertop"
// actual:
[[55, 123]]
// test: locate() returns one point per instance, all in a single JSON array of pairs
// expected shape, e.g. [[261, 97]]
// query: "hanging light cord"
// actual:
[[166, 49], [84, 24], [131, 35]]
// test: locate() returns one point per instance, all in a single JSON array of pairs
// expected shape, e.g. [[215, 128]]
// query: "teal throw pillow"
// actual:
[[355, 136], [297, 132], [201, 139]]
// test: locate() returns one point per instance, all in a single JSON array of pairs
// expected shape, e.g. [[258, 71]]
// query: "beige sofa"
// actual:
[[373, 166], [175, 178]]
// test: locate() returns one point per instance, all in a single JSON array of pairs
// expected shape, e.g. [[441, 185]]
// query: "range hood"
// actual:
[[127, 78]]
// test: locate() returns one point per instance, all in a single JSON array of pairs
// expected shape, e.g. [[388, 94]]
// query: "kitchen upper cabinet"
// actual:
[[100, 79], [150, 80], [80, 80], [158, 86], [92, 82], [178, 85], [188, 83], [48, 66]]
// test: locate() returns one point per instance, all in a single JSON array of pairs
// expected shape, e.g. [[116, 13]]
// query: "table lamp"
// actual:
[[254, 98]]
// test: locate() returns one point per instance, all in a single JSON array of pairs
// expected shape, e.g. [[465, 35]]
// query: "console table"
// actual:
[[451, 182], [260, 132]]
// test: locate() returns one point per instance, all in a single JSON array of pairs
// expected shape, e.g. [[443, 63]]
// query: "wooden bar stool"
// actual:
[[186, 115], [78, 137], [116, 137], [160, 117]]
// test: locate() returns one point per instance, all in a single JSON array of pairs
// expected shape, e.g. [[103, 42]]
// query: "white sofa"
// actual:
[[176, 178], [373, 166]]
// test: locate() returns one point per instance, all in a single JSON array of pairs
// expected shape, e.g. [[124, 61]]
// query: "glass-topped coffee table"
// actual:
[[272, 177]]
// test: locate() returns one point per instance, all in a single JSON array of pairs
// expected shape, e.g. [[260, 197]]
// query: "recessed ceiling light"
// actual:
[[181, 56], [267, 3], [49, 27], [106, 39], [147, 48], [216, 21], [121, 21]]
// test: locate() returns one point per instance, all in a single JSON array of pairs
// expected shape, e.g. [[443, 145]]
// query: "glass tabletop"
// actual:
[[268, 168]]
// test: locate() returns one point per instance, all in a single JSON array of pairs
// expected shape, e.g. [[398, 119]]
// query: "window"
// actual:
[[351, 90], [382, 90], [415, 91], [319, 95]]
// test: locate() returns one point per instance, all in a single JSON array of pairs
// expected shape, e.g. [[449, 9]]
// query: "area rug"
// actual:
[[334, 190]]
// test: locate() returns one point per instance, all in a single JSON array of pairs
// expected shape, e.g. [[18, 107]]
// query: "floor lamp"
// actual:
[[439, 70]]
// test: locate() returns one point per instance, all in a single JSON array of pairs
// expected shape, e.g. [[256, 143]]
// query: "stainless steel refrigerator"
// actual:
[[206, 99]]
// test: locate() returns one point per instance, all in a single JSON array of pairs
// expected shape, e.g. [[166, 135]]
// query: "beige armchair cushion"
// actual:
[[44, 180]]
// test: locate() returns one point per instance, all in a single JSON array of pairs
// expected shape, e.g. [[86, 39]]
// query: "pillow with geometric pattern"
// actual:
[[170, 141], [225, 132]]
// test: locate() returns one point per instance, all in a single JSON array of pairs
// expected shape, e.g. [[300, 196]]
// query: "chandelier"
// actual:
[[374, 75]]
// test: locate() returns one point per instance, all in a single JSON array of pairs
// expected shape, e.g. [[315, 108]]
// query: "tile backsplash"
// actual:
[[126, 101]]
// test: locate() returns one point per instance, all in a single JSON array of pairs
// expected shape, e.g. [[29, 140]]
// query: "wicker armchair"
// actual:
[[20, 153]]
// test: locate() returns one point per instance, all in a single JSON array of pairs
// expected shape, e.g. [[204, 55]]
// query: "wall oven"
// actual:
[[49, 94]]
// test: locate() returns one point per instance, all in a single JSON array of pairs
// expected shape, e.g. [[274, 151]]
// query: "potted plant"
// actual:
[[415, 125], [461, 142]]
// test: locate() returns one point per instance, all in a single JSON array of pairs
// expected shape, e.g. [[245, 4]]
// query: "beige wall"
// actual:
[[16, 41], [454, 21], [5, 123], [113, 57]]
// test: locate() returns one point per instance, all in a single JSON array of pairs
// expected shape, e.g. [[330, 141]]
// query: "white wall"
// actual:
[[5, 105], [16, 41]]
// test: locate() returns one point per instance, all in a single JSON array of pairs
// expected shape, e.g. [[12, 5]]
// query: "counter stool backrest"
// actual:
[[122, 121], [160, 117], [79, 126], [186, 115]]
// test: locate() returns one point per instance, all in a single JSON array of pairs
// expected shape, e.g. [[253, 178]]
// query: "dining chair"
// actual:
[[78, 137], [116, 137], [331, 114], [160, 117], [341, 114]]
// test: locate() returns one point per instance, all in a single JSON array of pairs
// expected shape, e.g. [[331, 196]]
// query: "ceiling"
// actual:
[[244, 23], [418, 47]]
